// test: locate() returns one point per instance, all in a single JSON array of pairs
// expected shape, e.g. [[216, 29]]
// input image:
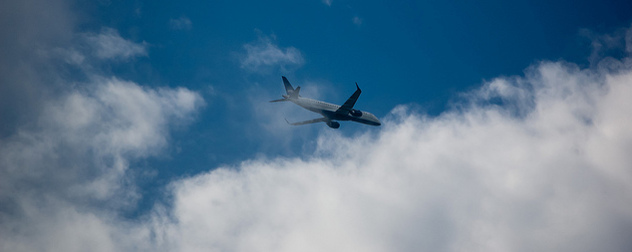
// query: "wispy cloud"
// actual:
[[328, 2], [265, 55], [608, 45], [92, 48], [108, 44], [182, 23]]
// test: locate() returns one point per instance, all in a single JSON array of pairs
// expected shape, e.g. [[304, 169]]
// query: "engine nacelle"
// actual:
[[355, 113], [333, 125]]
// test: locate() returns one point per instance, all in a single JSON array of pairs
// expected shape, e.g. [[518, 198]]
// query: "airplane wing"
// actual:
[[317, 120], [348, 105]]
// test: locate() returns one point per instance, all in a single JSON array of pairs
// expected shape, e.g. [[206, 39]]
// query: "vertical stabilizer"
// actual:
[[288, 87], [291, 92]]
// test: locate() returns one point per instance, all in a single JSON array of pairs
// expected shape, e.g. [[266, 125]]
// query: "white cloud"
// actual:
[[108, 125], [327, 2], [78, 158], [182, 23], [264, 55], [110, 45], [125, 116]]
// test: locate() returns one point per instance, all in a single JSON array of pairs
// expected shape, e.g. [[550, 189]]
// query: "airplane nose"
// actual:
[[377, 121]]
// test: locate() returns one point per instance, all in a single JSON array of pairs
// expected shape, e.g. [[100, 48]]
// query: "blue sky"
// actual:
[[145, 125]]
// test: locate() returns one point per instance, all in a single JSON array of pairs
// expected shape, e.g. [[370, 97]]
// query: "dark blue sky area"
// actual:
[[428, 51]]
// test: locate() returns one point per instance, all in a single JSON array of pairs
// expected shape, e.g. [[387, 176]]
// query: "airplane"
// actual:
[[330, 112]]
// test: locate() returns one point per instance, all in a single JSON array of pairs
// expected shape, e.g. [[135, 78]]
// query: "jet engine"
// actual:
[[355, 113], [333, 125]]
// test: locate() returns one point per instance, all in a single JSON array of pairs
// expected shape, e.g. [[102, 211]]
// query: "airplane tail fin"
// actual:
[[291, 92], [288, 87]]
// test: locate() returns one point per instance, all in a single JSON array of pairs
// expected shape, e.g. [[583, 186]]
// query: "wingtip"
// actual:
[[357, 86]]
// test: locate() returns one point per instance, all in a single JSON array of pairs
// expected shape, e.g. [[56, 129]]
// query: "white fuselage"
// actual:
[[328, 110]]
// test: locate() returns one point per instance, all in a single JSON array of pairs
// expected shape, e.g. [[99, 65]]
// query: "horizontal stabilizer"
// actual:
[[279, 100], [294, 93]]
